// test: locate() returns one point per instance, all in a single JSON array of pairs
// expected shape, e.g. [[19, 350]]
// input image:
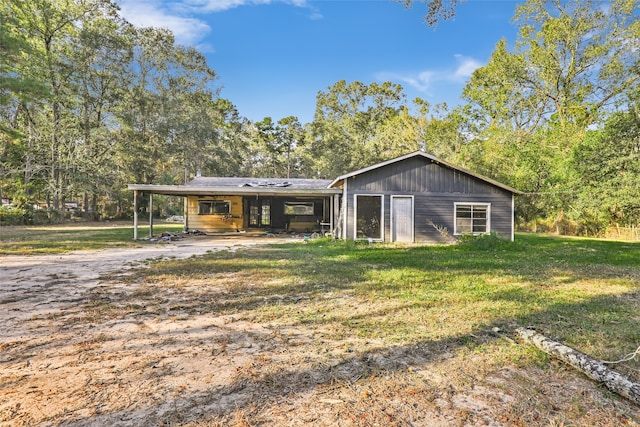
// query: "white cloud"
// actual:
[[424, 80], [187, 30], [466, 66], [220, 5], [179, 17]]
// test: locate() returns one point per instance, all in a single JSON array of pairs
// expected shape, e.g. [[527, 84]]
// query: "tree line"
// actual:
[[90, 103]]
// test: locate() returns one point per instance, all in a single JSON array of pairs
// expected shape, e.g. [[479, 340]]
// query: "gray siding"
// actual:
[[435, 189]]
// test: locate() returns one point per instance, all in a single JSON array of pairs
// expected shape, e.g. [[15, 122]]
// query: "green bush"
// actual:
[[11, 215]]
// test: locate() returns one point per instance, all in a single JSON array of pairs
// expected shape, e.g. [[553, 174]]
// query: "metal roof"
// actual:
[[243, 186], [431, 158], [298, 183]]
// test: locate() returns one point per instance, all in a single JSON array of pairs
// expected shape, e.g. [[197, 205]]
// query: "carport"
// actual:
[[219, 204]]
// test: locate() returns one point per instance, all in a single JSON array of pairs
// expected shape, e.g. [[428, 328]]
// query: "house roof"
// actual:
[[294, 183], [247, 186], [431, 158], [288, 186]]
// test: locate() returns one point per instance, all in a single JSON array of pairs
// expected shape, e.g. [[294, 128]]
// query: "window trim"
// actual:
[[455, 217], [228, 202], [355, 216]]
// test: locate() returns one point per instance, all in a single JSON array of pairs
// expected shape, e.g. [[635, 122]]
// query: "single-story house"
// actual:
[[413, 198]]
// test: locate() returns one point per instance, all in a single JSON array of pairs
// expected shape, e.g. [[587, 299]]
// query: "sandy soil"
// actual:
[[80, 346], [56, 366]]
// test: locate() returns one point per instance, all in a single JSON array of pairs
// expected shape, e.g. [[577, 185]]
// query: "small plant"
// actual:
[[442, 230]]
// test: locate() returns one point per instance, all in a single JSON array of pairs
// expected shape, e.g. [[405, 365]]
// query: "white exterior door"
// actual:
[[402, 219]]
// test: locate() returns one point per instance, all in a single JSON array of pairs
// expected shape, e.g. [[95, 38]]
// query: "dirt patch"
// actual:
[[83, 345]]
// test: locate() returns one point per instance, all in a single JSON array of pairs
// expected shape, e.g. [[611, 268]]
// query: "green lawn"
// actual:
[[584, 292], [53, 239]]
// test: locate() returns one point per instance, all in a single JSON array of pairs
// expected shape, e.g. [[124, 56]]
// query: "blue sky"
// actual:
[[273, 56]]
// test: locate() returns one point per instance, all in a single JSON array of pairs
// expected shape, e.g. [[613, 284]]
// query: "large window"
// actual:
[[214, 207], [369, 217], [298, 208], [472, 218]]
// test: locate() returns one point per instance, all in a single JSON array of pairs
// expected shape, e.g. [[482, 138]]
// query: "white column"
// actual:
[[185, 224], [150, 215], [135, 214]]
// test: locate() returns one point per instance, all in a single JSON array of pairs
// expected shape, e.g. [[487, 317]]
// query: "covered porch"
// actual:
[[214, 205]]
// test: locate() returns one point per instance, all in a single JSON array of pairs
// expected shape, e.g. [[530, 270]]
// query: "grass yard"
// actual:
[[349, 334], [62, 238]]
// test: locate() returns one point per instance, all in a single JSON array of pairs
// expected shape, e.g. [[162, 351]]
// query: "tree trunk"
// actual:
[[590, 367]]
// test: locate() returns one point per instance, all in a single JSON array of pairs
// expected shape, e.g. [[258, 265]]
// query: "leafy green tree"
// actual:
[[346, 122], [101, 53], [607, 165], [163, 79], [49, 26], [17, 80], [573, 62]]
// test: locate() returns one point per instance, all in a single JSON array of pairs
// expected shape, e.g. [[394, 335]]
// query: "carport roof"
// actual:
[[200, 186]]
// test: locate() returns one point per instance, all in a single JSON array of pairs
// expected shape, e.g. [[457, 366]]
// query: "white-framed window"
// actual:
[[472, 218], [214, 207], [369, 216]]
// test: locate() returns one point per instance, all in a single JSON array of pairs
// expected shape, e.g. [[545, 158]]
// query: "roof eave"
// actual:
[[188, 190]]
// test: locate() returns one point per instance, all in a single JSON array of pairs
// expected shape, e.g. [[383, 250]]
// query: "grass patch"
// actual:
[[55, 239], [584, 292]]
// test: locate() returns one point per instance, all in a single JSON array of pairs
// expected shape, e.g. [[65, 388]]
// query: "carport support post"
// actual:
[[135, 214], [185, 217], [150, 215]]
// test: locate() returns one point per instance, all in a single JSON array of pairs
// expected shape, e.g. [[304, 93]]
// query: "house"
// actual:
[[413, 198]]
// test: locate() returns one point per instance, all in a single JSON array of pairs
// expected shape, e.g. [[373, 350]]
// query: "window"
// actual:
[[266, 212], [472, 218], [214, 207], [298, 208], [369, 217]]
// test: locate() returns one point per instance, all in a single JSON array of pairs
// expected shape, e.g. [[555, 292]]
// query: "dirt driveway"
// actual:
[[57, 365]]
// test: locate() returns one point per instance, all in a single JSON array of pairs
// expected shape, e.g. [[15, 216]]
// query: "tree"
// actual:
[[573, 62], [17, 82], [101, 53], [49, 26], [346, 121], [163, 79], [291, 140], [607, 165], [436, 9]]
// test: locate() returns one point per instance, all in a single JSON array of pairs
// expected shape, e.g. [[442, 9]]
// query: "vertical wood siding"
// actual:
[[435, 189]]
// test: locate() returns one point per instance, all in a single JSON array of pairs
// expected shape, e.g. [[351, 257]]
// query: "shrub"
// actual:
[[12, 215]]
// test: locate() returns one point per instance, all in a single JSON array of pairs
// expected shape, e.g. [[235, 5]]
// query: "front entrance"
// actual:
[[402, 219], [259, 212]]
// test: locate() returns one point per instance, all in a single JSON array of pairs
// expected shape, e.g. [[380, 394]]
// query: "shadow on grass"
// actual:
[[267, 283], [256, 389]]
